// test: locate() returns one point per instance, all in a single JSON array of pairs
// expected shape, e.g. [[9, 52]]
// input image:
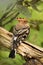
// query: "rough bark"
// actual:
[[31, 53]]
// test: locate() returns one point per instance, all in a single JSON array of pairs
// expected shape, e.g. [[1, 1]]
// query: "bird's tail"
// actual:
[[12, 53]]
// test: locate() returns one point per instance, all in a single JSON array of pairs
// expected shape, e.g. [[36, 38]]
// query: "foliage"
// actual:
[[22, 8], [4, 60], [19, 6]]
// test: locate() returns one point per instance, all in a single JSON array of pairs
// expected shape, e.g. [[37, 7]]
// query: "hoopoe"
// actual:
[[20, 32]]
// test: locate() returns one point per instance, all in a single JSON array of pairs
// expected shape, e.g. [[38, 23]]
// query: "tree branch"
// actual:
[[25, 49]]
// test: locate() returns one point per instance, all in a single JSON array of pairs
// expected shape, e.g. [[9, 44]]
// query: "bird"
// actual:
[[20, 33]]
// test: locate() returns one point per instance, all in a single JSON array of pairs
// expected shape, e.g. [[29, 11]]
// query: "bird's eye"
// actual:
[[24, 21]]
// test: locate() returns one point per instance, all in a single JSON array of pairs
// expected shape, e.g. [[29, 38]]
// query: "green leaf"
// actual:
[[24, 10]]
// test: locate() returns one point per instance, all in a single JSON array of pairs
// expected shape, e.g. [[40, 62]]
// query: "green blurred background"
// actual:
[[35, 37]]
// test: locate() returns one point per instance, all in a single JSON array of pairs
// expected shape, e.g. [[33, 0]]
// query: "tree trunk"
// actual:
[[31, 53]]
